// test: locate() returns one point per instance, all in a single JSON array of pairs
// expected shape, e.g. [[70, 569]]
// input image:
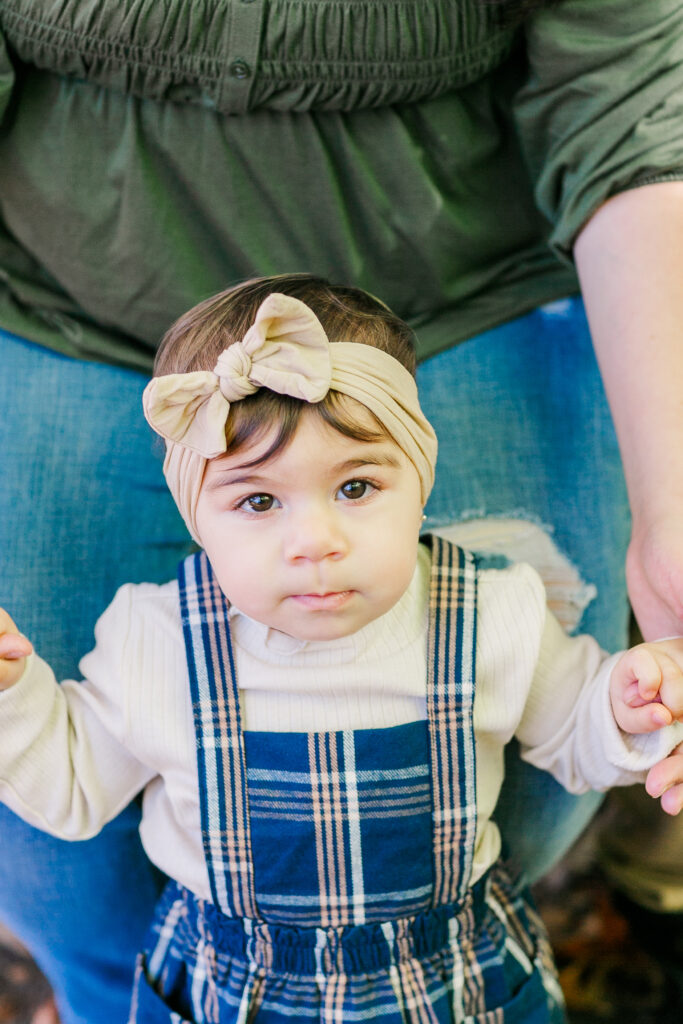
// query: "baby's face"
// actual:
[[321, 538]]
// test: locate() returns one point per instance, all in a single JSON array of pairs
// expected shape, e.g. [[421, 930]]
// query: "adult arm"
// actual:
[[601, 120], [630, 262]]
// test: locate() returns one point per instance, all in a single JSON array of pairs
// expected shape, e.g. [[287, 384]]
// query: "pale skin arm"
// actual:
[[630, 262]]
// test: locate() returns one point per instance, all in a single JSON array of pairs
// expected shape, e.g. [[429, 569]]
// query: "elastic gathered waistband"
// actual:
[[349, 949]]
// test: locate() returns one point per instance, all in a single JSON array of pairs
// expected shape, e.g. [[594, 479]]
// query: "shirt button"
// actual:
[[240, 69]]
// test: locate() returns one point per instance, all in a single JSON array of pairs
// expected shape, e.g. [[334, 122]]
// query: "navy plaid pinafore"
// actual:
[[340, 862]]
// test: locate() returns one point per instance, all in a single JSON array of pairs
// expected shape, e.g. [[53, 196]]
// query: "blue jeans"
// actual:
[[83, 508], [524, 431]]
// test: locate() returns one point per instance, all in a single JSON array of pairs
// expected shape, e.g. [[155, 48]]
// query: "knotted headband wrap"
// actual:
[[287, 351]]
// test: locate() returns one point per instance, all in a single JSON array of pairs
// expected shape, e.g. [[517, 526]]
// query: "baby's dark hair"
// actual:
[[198, 337]]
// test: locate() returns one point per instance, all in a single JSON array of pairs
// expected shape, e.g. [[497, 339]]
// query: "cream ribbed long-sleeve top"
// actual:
[[72, 756]]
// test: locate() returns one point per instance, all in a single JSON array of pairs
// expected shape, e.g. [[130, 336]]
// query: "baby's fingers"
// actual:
[[645, 718], [649, 683], [644, 668], [14, 646], [671, 688], [13, 649]]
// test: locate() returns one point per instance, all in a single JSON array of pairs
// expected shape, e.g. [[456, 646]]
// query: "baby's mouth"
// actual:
[[329, 601]]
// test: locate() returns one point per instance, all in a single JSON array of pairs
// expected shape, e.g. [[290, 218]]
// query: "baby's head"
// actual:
[[272, 395], [198, 338]]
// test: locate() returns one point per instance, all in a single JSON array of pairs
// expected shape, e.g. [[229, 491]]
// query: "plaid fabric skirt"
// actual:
[[486, 962]]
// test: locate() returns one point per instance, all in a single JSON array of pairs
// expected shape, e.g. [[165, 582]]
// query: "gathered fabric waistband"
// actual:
[[287, 57], [349, 949]]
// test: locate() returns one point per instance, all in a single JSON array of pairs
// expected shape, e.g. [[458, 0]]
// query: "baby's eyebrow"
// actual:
[[227, 476], [240, 475], [372, 459]]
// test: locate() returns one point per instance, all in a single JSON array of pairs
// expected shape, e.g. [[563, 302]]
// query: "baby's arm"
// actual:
[[14, 649], [568, 726], [646, 691], [65, 763]]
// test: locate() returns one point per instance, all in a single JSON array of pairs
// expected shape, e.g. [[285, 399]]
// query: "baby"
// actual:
[[317, 708]]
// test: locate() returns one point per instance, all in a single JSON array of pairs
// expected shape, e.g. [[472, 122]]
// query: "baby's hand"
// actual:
[[14, 649], [646, 688]]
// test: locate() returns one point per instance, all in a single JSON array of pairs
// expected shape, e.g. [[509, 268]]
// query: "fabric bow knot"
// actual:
[[285, 350]]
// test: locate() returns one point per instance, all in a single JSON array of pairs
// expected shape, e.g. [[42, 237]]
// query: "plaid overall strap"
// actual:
[[450, 700], [220, 745]]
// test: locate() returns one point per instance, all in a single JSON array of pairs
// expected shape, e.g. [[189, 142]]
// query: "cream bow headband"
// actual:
[[286, 350]]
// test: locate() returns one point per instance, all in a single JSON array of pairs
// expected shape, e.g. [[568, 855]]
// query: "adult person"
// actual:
[[445, 156]]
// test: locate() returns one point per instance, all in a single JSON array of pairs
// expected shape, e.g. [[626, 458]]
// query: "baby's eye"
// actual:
[[258, 503], [352, 490]]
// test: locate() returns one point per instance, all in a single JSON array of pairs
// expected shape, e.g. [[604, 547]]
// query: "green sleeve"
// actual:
[[6, 77], [602, 109]]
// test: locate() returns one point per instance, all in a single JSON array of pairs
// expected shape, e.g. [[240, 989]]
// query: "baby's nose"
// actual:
[[315, 537]]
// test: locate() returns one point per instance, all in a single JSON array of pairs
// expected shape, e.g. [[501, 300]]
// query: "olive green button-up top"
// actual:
[[154, 151]]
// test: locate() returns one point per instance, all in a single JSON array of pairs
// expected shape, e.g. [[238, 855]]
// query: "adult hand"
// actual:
[[665, 780], [654, 574]]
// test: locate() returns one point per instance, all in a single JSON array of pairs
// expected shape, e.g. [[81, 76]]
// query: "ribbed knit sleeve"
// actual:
[[64, 763], [602, 110], [552, 691], [567, 725]]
